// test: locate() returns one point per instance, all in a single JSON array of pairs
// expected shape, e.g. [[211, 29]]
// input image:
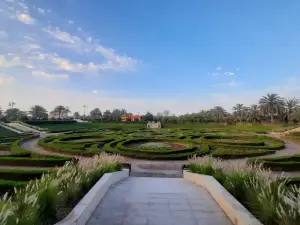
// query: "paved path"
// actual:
[[157, 201]]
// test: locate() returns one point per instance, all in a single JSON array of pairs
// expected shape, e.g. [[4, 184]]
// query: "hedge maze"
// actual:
[[167, 144], [12, 156], [163, 144]]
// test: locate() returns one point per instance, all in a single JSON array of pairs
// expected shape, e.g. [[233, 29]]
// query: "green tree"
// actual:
[[240, 111], [295, 116], [12, 114], [292, 105], [107, 115], [254, 113], [95, 114], [60, 111], [148, 117], [38, 112], [271, 104], [218, 113], [76, 115]]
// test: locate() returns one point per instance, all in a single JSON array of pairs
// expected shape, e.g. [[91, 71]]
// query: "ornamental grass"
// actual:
[[264, 194], [49, 199]]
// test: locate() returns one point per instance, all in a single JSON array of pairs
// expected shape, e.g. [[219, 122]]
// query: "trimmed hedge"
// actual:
[[283, 163], [239, 153], [9, 185], [190, 148], [21, 175], [255, 142], [112, 148], [34, 162]]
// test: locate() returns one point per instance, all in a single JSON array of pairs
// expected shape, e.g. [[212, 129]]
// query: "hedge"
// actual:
[[190, 148], [239, 153], [277, 144], [21, 175], [38, 122], [180, 156], [9, 185], [283, 163], [34, 162]]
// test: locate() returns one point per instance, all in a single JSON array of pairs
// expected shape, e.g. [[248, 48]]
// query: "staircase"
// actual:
[[13, 129], [23, 128]]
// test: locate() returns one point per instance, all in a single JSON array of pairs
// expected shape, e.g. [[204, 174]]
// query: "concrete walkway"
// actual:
[[157, 201]]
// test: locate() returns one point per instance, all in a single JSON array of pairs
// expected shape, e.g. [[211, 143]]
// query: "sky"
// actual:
[[182, 56]]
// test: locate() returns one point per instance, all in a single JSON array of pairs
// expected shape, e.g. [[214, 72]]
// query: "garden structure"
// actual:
[[27, 157]]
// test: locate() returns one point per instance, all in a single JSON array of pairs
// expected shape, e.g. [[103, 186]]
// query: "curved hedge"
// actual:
[[282, 163], [113, 147]]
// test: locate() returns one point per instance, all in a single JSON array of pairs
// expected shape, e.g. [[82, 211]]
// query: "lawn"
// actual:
[[258, 128], [75, 126], [5, 132]]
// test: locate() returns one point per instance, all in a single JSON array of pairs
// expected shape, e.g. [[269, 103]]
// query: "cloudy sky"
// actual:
[[183, 56]]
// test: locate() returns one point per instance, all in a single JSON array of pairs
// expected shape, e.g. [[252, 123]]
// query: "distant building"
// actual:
[[154, 125], [131, 118]]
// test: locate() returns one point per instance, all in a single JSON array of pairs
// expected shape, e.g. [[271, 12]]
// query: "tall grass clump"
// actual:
[[264, 194], [51, 198]]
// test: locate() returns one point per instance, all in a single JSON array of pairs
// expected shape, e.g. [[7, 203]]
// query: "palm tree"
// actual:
[[271, 104], [253, 113], [295, 116], [37, 112], [240, 110], [292, 105], [219, 112], [59, 110]]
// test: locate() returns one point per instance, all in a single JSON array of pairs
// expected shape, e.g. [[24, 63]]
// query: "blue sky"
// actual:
[[147, 55]]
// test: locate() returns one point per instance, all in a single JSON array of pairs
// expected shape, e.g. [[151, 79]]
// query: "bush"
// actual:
[[49, 199], [9, 185], [283, 163], [21, 175], [239, 153], [265, 196]]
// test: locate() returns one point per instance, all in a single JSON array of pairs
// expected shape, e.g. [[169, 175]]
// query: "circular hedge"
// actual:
[[163, 144]]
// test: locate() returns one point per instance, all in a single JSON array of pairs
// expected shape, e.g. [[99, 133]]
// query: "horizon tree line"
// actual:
[[269, 108]]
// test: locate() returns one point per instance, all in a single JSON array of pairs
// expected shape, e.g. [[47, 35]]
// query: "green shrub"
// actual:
[[239, 153], [21, 175], [9, 185]]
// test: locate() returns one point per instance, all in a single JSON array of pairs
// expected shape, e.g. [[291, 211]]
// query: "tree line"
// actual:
[[270, 108]]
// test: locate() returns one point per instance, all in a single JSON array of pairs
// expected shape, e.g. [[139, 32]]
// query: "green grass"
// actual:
[[75, 126], [5, 132], [257, 128]]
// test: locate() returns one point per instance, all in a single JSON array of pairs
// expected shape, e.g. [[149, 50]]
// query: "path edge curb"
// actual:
[[235, 211], [82, 212]]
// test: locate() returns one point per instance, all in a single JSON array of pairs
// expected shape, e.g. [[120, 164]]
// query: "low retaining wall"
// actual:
[[84, 209], [235, 211]]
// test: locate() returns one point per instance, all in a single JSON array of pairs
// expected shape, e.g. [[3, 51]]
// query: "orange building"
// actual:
[[131, 118]]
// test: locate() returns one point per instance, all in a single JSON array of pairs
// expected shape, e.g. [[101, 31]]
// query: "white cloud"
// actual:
[[219, 68], [40, 10], [229, 73], [25, 18], [62, 36], [49, 76], [237, 69], [70, 21], [95, 91], [27, 37]]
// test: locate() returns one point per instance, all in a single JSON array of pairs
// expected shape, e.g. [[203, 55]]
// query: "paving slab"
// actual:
[[157, 201]]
